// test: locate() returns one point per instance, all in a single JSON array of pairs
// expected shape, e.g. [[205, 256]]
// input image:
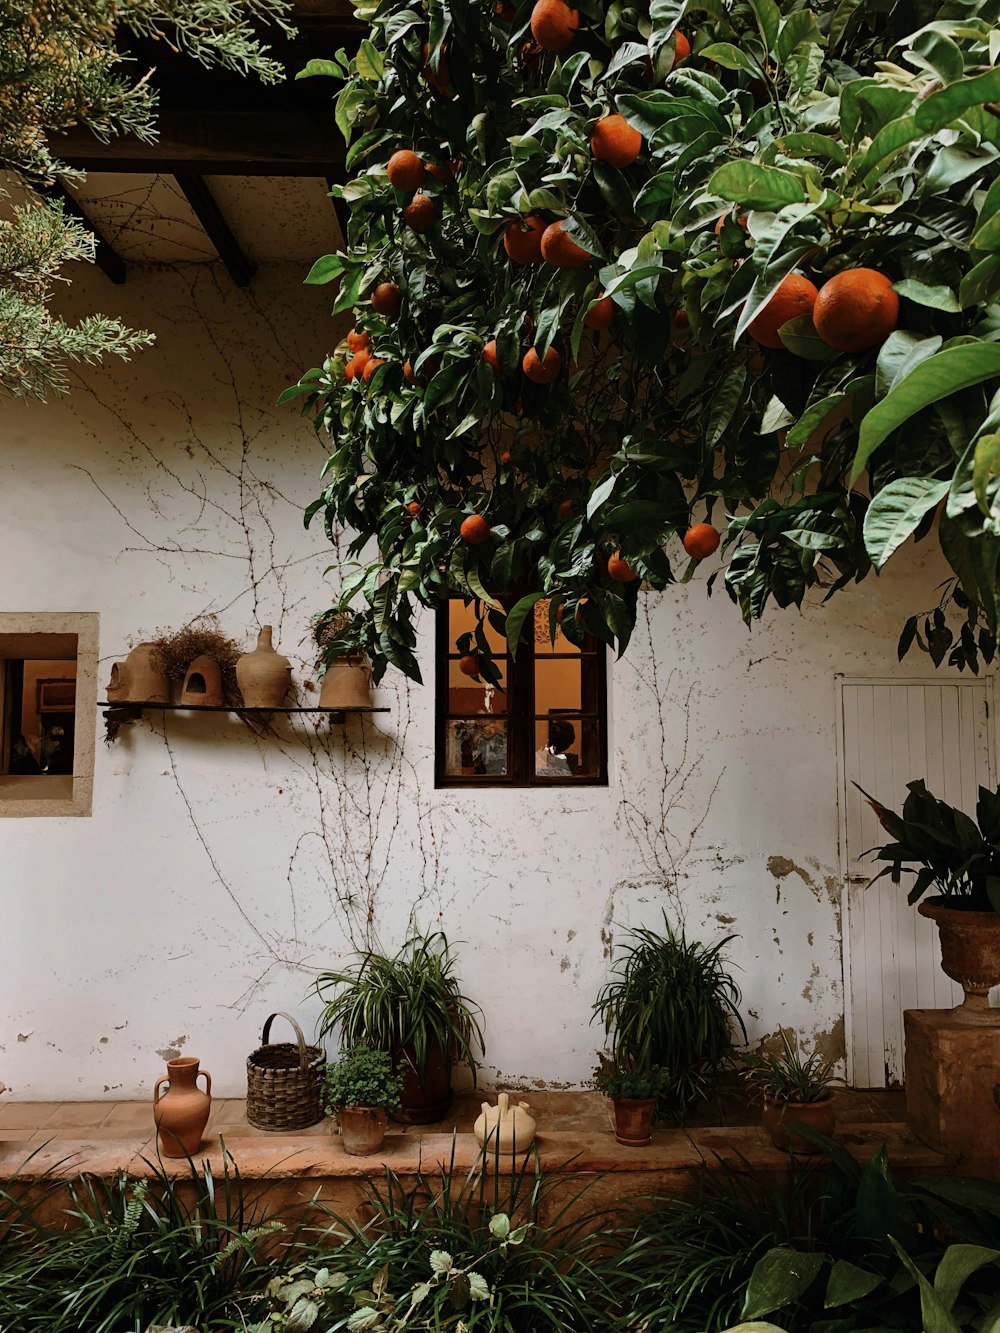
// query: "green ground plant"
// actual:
[[792, 143]]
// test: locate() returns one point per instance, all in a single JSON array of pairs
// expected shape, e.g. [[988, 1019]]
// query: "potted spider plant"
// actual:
[[411, 1004], [959, 857], [671, 1005], [634, 1094], [361, 1089], [795, 1091]]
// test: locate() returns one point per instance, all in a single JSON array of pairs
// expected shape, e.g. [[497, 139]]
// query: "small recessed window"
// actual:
[[48, 695], [544, 724]]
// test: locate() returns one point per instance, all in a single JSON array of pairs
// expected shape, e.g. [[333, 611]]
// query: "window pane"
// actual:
[[567, 747], [462, 619], [466, 695], [39, 699], [543, 641], [476, 747], [558, 686]]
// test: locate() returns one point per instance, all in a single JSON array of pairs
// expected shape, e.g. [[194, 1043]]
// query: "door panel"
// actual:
[[893, 734]]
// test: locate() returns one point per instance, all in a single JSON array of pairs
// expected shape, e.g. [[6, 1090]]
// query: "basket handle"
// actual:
[[303, 1051]]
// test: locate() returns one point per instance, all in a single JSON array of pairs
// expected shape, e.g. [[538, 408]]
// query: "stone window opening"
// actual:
[[545, 725], [48, 713]]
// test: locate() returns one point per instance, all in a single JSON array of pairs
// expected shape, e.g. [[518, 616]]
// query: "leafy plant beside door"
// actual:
[[411, 1004], [795, 1089]]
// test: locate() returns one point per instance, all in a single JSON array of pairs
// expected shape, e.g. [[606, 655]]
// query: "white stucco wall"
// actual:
[[219, 871]]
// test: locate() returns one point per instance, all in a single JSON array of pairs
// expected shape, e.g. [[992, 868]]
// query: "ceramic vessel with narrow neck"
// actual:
[[504, 1128], [181, 1113], [263, 675]]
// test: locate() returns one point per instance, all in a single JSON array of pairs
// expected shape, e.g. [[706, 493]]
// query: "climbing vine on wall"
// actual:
[[631, 280]]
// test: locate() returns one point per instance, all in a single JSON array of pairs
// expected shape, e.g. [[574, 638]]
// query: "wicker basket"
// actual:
[[284, 1081]]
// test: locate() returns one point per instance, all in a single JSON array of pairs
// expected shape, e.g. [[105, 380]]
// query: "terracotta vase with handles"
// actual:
[[263, 675], [347, 684], [181, 1113]]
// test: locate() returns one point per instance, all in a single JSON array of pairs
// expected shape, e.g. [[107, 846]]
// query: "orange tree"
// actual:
[[632, 277]]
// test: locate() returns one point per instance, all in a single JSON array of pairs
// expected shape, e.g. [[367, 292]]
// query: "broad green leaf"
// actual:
[[330, 68], [757, 186], [987, 234], [985, 467], [942, 107], [895, 136], [981, 284], [325, 270], [848, 1283], [811, 419], [768, 17], [896, 512], [938, 298], [731, 57], [779, 1278], [938, 377], [516, 617], [957, 1265]]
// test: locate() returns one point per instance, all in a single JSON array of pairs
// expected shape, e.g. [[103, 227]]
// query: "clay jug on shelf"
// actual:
[[347, 683], [181, 1113], [263, 675], [135, 681]]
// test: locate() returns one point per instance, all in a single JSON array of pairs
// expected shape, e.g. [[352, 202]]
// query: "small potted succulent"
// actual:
[[795, 1091], [959, 857], [635, 1094], [361, 1089]]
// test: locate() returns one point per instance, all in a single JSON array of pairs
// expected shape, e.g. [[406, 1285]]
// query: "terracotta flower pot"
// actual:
[[634, 1120], [181, 1114], [346, 684], [820, 1116], [363, 1129], [970, 955]]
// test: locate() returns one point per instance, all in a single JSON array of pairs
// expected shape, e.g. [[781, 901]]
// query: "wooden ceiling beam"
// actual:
[[207, 211], [106, 257]]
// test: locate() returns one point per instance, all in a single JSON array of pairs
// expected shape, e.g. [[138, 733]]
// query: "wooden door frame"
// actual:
[[988, 679]]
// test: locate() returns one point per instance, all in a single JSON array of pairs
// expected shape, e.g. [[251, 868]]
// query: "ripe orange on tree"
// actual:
[[413, 508], [601, 315], [475, 530], [523, 240], [357, 363], [441, 80], [505, 457], [406, 171], [441, 171], [795, 296], [682, 48], [357, 340], [620, 570], [554, 24], [615, 141], [469, 665], [420, 213], [541, 370], [735, 215], [489, 355], [701, 540], [370, 367], [560, 250], [408, 374], [387, 299], [856, 310], [565, 510]]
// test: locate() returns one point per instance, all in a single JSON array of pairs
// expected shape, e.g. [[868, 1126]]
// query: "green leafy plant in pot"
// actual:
[[411, 1004], [960, 857], [634, 1093], [795, 1090], [361, 1089], [671, 1005]]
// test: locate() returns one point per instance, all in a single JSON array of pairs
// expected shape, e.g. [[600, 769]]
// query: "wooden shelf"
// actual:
[[127, 711]]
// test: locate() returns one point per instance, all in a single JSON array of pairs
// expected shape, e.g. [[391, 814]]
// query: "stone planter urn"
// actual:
[[362, 1128], [970, 955], [820, 1116]]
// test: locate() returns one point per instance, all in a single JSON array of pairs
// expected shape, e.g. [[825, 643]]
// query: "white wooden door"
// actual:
[[893, 733]]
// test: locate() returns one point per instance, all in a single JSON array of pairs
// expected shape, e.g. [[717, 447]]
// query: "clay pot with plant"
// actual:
[[361, 1089], [411, 1004], [958, 856], [671, 1005], [795, 1092], [634, 1094]]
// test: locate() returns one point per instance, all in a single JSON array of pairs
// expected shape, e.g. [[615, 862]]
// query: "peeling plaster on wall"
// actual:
[[173, 1049], [221, 870]]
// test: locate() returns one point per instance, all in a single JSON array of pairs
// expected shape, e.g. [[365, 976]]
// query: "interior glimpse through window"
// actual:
[[544, 725], [39, 704]]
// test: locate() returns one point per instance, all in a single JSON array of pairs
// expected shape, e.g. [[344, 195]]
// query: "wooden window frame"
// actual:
[[520, 714]]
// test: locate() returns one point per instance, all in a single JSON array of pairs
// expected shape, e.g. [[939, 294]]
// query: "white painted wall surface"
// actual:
[[218, 871]]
